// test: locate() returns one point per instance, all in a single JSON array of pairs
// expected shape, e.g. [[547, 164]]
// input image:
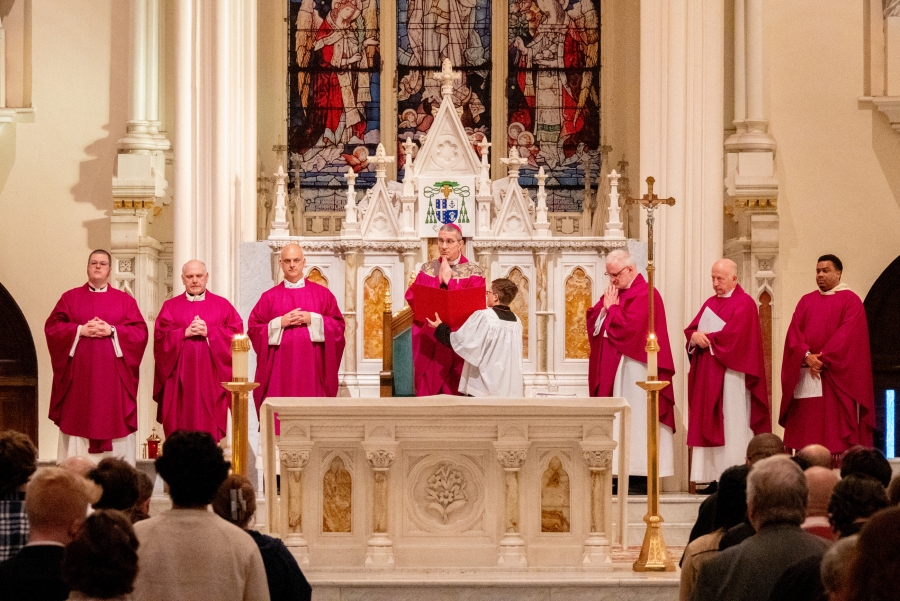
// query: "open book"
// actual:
[[453, 306]]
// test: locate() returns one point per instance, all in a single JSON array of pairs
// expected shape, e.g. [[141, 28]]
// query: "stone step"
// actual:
[[678, 510]]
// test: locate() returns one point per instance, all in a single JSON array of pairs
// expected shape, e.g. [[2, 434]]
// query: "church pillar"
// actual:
[[541, 378], [750, 179], [681, 129], [294, 457], [352, 259], [380, 549], [596, 548], [511, 456], [215, 141]]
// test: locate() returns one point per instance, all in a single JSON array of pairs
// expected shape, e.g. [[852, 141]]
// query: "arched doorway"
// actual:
[[18, 370], [883, 313]]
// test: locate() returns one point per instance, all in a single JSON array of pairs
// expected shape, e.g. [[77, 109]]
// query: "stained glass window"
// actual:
[[429, 31], [334, 83], [553, 94]]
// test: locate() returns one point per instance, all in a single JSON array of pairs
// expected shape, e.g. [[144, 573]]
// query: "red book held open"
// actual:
[[453, 306]]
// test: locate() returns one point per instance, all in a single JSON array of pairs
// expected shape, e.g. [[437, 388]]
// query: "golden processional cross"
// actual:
[[654, 556]]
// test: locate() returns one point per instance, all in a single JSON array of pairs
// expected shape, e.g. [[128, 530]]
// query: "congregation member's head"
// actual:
[[141, 508], [874, 574], [119, 482], [292, 263], [18, 461], [860, 461], [828, 272], [98, 268], [836, 565], [724, 276], [193, 466], [731, 505], [893, 491], [816, 455], [621, 268], [821, 482], [450, 242], [194, 277], [235, 501], [101, 562], [502, 292], [854, 500], [776, 492], [56, 502], [763, 446], [78, 465]]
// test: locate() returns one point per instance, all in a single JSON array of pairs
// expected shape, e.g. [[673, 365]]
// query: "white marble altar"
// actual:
[[445, 482]]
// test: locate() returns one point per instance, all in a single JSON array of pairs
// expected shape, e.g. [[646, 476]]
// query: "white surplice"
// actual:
[[492, 350]]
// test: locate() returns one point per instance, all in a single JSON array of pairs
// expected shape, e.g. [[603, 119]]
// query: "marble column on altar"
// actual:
[[598, 458], [380, 549], [215, 149], [542, 295], [294, 457], [681, 124], [512, 455], [352, 259]]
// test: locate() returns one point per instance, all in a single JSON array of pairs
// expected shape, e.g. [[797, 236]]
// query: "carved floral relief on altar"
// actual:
[[337, 498], [446, 493], [316, 276], [578, 300], [519, 305], [375, 290], [428, 32], [553, 94], [334, 89], [555, 498]]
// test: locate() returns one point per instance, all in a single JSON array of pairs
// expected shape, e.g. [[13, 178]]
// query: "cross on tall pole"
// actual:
[[654, 556]]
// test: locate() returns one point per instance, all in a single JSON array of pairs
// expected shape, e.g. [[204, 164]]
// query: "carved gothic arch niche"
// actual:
[[579, 296], [337, 493], [375, 291], [18, 370], [883, 313], [556, 493], [521, 303], [316, 275]]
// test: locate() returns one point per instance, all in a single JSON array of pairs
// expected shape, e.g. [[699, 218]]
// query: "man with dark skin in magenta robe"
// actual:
[[297, 331], [617, 330], [192, 350], [96, 337], [437, 368], [728, 402], [826, 374]]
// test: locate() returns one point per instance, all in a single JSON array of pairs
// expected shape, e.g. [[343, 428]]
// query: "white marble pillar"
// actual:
[[511, 456], [294, 457], [215, 170], [681, 125], [352, 260], [380, 548], [598, 458]]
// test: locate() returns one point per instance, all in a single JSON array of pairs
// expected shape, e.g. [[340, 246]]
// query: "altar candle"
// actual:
[[240, 349], [652, 371]]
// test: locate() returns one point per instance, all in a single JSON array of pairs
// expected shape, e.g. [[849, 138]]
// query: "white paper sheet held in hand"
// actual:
[[710, 323], [807, 387]]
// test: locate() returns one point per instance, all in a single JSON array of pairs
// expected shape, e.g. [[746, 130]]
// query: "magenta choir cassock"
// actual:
[[189, 371], [95, 380]]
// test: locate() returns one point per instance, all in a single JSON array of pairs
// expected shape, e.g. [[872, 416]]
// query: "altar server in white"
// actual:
[[490, 342]]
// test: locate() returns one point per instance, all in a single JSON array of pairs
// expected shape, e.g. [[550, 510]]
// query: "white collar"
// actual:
[[728, 294], [103, 289], [836, 289], [193, 299], [299, 284]]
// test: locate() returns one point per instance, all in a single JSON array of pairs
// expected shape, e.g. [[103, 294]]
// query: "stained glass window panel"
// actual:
[[429, 31], [553, 94], [334, 90]]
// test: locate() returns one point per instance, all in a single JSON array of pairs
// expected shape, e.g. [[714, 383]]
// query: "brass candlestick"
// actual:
[[240, 389], [654, 556]]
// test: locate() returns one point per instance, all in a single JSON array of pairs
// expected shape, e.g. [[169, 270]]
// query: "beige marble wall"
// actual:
[[578, 301], [520, 304], [375, 290]]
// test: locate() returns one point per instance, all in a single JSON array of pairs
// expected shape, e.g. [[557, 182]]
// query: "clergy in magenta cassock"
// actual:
[[192, 351], [826, 374], [617, 330], [297, 331], [96, 337], [728, 401], [437, 368]]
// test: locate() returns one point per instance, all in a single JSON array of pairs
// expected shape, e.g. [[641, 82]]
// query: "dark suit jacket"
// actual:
[[33, 573], [750, 570]]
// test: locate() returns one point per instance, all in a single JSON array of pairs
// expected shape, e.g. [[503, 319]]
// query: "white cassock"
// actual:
[[625, 385], [492, 351]]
